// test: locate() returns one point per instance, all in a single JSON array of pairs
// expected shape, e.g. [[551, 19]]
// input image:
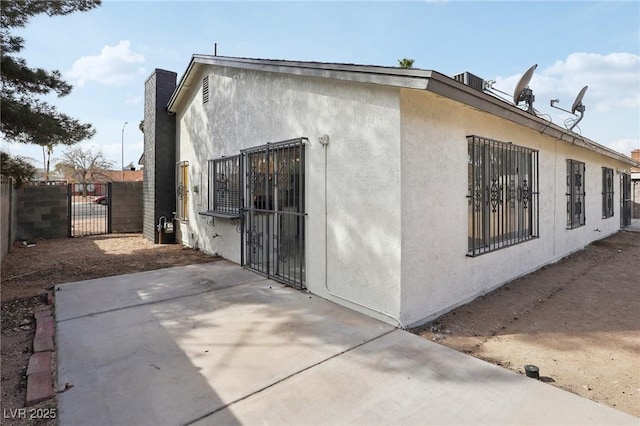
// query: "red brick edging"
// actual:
[[40, 369]]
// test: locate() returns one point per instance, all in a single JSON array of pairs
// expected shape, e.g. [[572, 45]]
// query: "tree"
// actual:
[[84, 166], [17, 168], [405, 63], [25, 118], [46, 159]]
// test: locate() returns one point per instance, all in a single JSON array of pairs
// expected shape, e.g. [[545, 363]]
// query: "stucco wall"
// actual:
[[248, 109], [436, 273]]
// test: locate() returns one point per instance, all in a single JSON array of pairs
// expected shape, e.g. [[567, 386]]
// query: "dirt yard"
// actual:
[[578, 321], [28, 272]]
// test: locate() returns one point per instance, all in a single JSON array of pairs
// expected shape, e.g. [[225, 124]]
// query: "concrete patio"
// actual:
[[215, 344]]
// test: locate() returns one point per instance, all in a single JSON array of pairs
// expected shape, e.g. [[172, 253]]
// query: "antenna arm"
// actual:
[[561, 109], [575, 123]]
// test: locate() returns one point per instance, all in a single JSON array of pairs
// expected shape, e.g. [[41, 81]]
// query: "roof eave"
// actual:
[[430, 81]]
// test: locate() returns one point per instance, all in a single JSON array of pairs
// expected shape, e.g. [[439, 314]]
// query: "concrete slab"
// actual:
[[175, 361], [104, 294], [402, 379], [634, 226], [216, 344]]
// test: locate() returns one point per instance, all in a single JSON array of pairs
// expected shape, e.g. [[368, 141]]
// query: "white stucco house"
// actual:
[[400, 193]]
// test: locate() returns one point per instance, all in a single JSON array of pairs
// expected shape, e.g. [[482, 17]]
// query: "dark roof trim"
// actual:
[[431, 81]]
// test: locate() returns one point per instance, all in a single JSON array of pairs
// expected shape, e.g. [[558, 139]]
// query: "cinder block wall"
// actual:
[[126, 206], [159, 152], [42, 212]]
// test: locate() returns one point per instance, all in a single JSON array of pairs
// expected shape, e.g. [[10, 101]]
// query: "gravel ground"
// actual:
[[576, 320]]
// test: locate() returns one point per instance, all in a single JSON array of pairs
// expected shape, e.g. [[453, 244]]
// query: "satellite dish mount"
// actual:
[[523, 93], [577, 106]]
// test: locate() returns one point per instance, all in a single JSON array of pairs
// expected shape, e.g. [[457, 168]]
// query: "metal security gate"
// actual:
[[625, 200], [273, 225], [89, 209]]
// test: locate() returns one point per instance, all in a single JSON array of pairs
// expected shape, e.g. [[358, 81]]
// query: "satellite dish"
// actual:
[[577, 104], [522, 92]]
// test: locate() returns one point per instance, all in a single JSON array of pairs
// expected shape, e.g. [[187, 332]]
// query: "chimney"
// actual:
[[635, 154]]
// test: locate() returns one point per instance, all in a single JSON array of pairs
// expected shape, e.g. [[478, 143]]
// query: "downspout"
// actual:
[[324, 141]]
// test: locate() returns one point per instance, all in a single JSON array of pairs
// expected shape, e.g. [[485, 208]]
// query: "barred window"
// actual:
[[575, 194], [224, 185], [502, 195], [182, 190], [607, 192]]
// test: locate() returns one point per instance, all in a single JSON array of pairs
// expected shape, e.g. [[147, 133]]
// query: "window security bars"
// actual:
[[575, 194], [607, 192], [625, 200], [273, 226], [502, 195], [182, 190], [224, 185]]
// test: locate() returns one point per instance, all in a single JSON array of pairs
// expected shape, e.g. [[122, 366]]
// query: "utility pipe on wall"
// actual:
[[324, 141]]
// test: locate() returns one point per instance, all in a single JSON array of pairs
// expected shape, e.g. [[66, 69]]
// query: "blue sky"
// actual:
[[108, 52]]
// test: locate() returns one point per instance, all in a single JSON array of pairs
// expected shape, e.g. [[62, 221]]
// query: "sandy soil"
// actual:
[[578, 321], [28, 272]]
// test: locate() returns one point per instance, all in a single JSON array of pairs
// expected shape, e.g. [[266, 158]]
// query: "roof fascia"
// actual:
[[430, 81]]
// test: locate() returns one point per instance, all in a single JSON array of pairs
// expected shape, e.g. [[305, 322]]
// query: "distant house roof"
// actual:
[[409, 78], [129, 176], [117, 176]]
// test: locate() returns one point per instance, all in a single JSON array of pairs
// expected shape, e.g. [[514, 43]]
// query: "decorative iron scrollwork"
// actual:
[[282, 176], [222, 185], [495, 195], [255, 179], [284, 247], [254, 238], [578, 180], [512, 193], [525, 194], [477, 196]]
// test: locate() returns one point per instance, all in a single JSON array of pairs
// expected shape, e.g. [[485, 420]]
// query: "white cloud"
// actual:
[[133, 100], [613, 80], [625, 146], [612, 100], [114, 66]]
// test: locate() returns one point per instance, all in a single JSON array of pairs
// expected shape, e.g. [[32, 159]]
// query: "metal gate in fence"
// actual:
[[89, 209], [625, 200], [273, 228]]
